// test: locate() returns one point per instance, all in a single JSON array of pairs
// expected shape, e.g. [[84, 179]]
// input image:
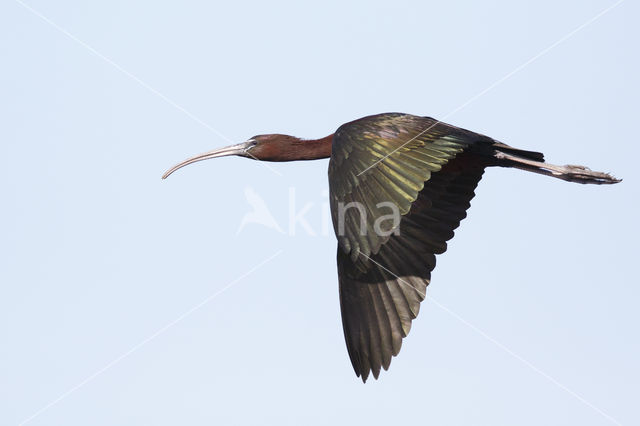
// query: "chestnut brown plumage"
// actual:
[[428, 171]]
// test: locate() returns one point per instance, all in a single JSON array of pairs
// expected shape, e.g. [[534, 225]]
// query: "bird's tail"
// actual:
[[531, 161]]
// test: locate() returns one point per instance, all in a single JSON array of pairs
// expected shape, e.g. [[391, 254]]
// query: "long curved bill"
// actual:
[[238, 149]]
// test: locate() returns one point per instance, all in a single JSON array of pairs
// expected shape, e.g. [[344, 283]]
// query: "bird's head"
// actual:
[[273, 147]]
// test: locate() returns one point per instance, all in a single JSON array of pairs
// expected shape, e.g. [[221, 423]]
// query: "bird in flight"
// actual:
[[399, 185]]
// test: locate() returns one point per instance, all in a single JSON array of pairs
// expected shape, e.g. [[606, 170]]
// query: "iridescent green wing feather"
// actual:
[[383, 279], [385, 158]]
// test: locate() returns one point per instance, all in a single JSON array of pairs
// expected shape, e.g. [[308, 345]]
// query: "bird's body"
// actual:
[[399, 185]]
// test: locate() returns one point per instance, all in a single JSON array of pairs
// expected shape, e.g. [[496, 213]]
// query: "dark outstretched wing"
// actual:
[[385, 158], [383, 279]]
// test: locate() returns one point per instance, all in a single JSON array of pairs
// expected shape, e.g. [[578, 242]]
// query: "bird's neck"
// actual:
[[314, 149], [291, 148]]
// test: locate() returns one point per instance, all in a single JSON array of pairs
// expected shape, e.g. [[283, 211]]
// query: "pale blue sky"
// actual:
[[99, 256]]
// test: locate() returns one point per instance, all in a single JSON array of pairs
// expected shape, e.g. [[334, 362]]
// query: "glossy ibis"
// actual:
[[423, 170]]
